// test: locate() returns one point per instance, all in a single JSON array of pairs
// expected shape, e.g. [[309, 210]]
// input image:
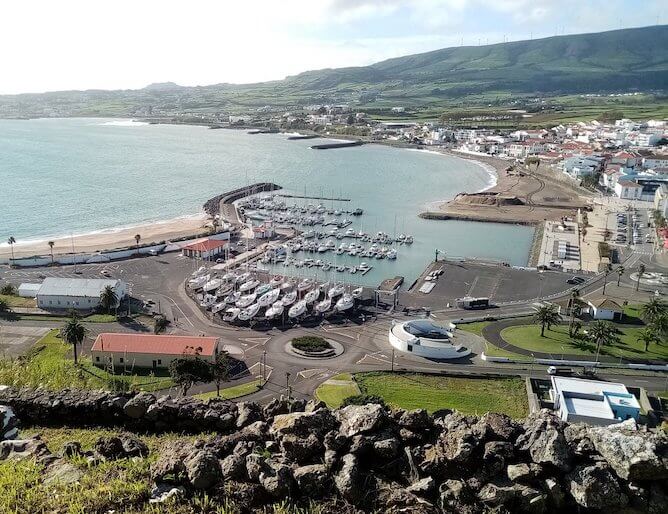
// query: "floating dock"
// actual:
[[283, 195], [344, 144]]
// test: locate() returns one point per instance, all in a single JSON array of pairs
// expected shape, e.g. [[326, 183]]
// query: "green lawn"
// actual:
[[468, 395], [475, 327], [49, 364], [230, 393], [529, 338], [337, 389], [17, 301]]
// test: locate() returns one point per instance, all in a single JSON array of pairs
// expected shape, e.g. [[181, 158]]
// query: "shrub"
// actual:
[[8, 290], [362, 399], [311, 344]]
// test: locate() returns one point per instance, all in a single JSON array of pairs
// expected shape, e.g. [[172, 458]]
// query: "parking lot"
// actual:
[[501, 284]]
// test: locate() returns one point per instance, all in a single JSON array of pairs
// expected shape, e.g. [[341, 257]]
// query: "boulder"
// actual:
[[632, 454], [313, 481], [497, 427], [544, 440], [255, 464], [455, 497], [359, 419], [8, 423], [275, 407], [386, 447], [170, 467], [349, 480], [72, 448], [415, 420], [523, 472], [595, 487], [248, 412], [425, 487], [137, 406], [317, 422], [299, 449], [233, 467], [133, 446], [555, 493], [391, 498], [111, 448], [277, 480], [514, 497], [203, 469]]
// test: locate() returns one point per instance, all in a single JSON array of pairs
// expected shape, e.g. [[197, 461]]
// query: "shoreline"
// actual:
[[187, 225], [109, 239]]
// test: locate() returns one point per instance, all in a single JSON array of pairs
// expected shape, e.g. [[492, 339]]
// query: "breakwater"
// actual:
[[345, 144], [213, 206]]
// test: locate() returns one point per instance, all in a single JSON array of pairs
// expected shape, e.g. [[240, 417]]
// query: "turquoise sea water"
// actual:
[[63, 176]]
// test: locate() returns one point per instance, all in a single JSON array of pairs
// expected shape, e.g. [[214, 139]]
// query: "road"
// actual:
[[161, 279]]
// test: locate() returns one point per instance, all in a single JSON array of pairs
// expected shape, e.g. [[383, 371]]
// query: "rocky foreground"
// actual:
[[356, 459]]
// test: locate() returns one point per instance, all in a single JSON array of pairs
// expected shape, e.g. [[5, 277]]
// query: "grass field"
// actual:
[[337, 389], [558, 342], [17, 301], [49, 364], [468, 395], [229, 393], [474, 328]]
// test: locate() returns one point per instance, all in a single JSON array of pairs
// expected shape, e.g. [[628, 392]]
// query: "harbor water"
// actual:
[[64, 176]]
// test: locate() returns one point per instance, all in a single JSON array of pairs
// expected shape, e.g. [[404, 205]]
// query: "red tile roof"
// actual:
[[206, 245], [154, 344]]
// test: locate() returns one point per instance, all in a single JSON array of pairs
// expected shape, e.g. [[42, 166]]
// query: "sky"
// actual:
[[52, 45]]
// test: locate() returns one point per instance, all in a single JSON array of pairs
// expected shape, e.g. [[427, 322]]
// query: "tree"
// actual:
[[73, 332], [653, 310], [189, 369], [660, 326], [51, 244], [220, 369], [603, 333], [620, 272], [547, 316], [108, 298], [575, 299], [351, 119], [137, 238], [160, 324], [647, 336], [641, 272], [11, 242]]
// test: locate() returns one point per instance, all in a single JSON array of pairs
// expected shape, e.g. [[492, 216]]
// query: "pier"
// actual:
[[345, 144], [283, 195], [223, 204]]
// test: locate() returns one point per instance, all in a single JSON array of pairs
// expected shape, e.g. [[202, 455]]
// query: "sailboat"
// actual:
[[269, 297], [289, 298], [357, 293], [297, 309], [335, 290], [245, 301], [249, 312], [275, 310], [261, 289], [345, 302], [312, 296], [231, 314], [232, 297], [323, 306], [247, 286]]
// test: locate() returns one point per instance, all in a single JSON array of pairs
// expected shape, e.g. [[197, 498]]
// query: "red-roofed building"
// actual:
[[148, 350], [204, 248]]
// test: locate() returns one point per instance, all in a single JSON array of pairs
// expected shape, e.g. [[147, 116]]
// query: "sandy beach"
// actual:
[[109, 239]]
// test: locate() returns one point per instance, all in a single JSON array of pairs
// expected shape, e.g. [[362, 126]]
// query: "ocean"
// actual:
[[75, 176]]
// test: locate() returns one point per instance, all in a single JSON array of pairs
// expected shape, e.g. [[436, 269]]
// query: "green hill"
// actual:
[[619, 60]]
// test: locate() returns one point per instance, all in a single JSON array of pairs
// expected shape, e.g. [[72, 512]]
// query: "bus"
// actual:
[[472, 303]]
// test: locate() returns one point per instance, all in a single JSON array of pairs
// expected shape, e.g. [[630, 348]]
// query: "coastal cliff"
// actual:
[[360, 458]]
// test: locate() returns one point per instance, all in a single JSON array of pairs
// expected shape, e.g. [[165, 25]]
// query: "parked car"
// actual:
[[575, 280]]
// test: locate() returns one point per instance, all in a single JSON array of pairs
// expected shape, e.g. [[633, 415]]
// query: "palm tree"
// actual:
[[547, 316], [108, 298], [11, 242], [51, 244], [605, 277], [73, 332], [647, 336], [602, 333], [641, 272], [653, 310], [660, 326], [575, 298], [620, 272], [137, 238]]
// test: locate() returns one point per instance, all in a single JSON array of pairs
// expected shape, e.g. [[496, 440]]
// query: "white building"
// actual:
[[605, 309], [592, 402], [628, 190], [661, 200], [656, 161], [423, 338], [76, 293]]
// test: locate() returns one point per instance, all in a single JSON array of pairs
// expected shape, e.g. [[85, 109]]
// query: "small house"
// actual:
[[606, 309]]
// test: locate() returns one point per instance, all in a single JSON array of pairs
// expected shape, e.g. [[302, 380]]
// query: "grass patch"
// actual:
[[17, 301], [529, 338], [49, 364], [311, 344], [335, 390], [230, 393], [474, 328], [468, 395]]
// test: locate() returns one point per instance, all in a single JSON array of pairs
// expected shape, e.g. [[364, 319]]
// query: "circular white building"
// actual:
[[423, 338]]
